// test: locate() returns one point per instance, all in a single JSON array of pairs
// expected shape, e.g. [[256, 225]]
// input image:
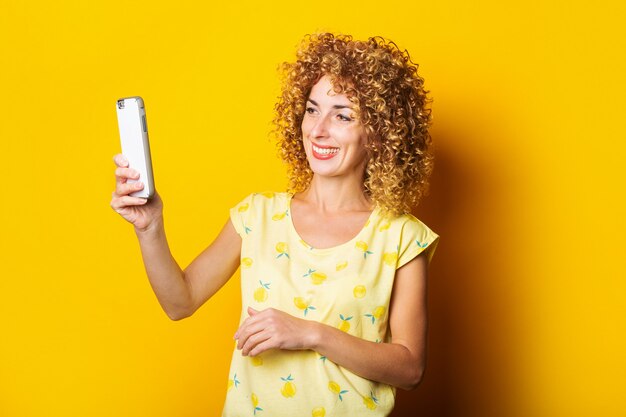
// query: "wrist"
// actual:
[[315, 335], [152, 230]]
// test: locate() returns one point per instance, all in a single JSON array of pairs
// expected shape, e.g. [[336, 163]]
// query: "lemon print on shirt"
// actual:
[[268, 194], [256, 360], [289, 388], [363, 246], [390, 258], [384, 227], [242, 208], [341, 266], [255, 403], [260, 294], [344, 326], [359, 291], [336, 389], [377, 313], [302, 305], [317, 277], [280, 216], [318, 412], [233, 382], [282, 248], [370, 402], [246, 262]]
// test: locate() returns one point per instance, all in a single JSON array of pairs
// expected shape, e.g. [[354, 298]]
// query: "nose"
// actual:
[[320, 128]]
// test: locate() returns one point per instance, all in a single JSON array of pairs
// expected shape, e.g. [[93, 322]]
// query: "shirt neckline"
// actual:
[[305, 245]]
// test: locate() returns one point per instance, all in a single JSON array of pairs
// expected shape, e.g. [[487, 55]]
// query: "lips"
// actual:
[[324, 152]]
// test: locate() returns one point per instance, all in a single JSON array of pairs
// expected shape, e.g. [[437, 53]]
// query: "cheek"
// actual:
[[355, 138], [305, 127], [360, 142]]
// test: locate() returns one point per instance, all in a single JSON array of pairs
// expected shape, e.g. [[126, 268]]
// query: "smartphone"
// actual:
[[131, 120]]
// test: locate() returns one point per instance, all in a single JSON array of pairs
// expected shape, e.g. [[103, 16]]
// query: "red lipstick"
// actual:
[[323, 152]]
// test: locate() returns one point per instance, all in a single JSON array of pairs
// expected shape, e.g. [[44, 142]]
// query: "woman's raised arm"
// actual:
[[179, 292]]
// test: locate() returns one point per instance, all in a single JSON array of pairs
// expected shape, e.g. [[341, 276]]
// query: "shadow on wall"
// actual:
[[469, 316]]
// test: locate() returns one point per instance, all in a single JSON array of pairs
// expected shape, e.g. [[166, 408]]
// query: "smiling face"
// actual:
[[334, 139]]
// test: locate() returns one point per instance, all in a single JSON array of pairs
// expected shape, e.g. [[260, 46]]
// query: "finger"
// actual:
[[261, 347], [120, 160], [241, 328], [255, 340], [128, 188], [124, 174], [247, 322], [122, 189], [245, 332], [120, 203], [252, 311]]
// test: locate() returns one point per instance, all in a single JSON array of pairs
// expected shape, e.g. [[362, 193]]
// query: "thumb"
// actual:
[[252, 311]]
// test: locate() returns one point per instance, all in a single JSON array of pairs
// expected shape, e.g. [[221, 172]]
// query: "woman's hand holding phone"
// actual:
[[144, 214]]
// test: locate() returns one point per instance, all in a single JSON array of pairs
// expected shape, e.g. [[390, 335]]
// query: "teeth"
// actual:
[[325, 151]]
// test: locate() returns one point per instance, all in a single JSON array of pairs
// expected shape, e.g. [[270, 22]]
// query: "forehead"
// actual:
[[323, 91]]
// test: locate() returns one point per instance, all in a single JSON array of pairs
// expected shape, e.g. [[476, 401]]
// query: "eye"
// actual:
[[344, 118], [310, 110]]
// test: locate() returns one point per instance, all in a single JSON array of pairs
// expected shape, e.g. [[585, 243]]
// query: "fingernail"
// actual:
[[138, 184]]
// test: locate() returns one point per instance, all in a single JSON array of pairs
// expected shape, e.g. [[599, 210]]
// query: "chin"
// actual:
[[324, 168], [323, 172]]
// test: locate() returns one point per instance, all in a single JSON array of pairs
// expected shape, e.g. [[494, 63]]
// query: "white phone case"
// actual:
[[131, 120]]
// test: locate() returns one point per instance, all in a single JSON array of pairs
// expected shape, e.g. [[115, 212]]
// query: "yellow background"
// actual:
[[527, 289]]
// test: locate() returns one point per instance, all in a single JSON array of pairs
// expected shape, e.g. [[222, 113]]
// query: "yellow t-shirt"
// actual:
[[347, 286]]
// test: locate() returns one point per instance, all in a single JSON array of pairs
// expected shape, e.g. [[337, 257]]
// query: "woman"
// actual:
[[334, 271]]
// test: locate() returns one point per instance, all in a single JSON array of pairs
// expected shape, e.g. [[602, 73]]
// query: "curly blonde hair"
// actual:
[[390, 101]]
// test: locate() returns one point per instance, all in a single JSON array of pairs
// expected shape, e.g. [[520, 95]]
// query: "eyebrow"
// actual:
[[336, 106]]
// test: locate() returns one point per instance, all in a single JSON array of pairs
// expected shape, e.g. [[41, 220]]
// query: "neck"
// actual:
[[333, 194]]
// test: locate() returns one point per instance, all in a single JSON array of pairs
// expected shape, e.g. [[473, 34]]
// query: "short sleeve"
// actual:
[[240, 216], [415, 238]]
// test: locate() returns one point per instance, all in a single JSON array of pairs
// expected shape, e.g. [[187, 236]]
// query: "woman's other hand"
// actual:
[[140, 212], [273, 329]]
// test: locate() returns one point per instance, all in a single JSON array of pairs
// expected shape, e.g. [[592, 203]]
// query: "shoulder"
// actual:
[[263, 202], [405, 224], [251, 212], [415, 237], [262, 199], [414, 225]]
